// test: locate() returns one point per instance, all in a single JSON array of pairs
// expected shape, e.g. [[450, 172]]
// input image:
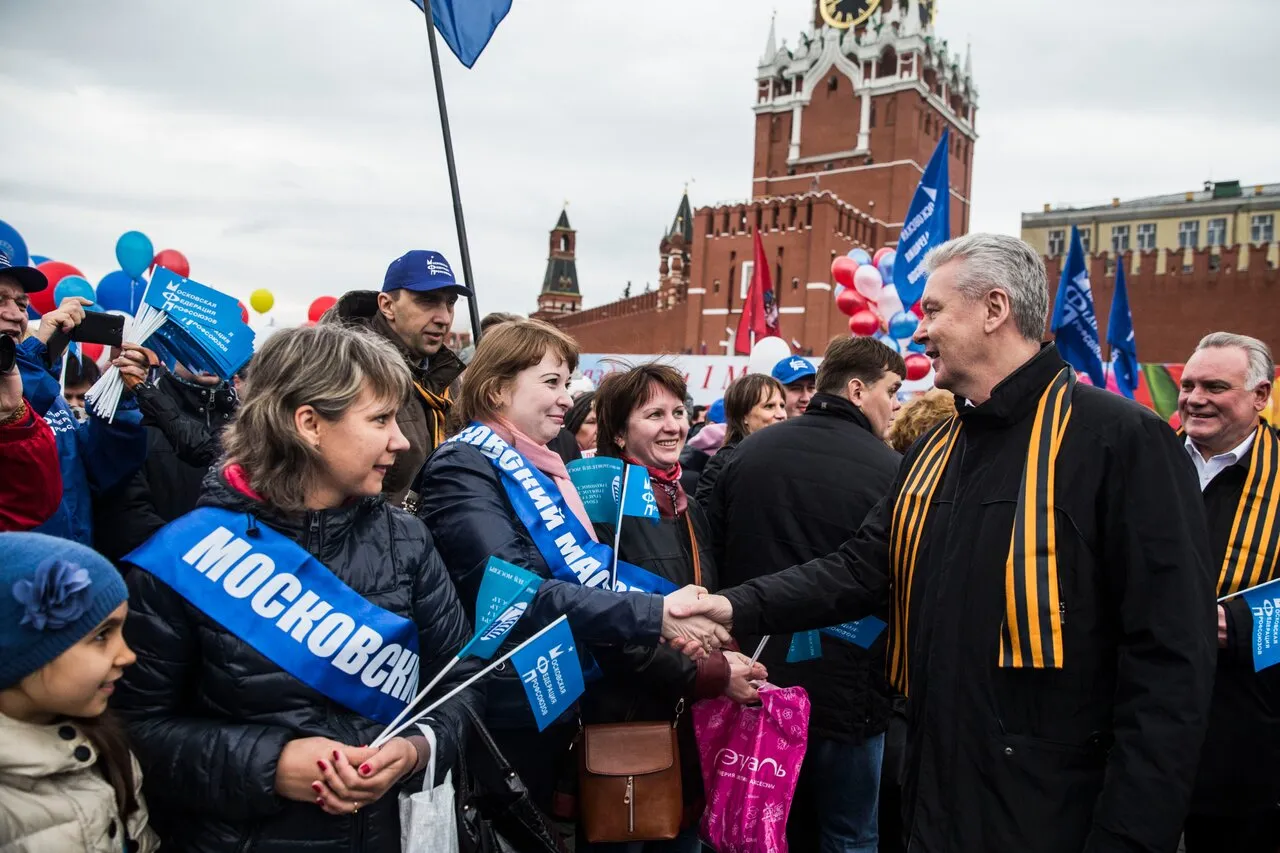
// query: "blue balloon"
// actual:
[[32, 313], [839, 288], [72, 285], [886, 265], [12, 244], [119, 291], [903, 325], [915, 347], [37, 260], [134, 252], [862, 256]]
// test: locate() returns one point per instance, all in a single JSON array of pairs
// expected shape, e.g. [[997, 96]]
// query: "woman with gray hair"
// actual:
[[282, 624]]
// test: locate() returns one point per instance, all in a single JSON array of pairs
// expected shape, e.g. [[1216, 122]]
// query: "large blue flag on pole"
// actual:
[[1075, 325], [928, 224], [1124, 349], [467, 25]]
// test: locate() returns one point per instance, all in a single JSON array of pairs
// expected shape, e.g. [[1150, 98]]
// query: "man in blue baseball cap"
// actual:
[[799, 377], [415, 312]]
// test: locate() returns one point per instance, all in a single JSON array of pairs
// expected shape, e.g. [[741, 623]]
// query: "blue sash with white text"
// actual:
[[286, 604], [570, 552]]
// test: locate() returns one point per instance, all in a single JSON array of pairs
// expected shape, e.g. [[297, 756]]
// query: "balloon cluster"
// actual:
[[866, 294]]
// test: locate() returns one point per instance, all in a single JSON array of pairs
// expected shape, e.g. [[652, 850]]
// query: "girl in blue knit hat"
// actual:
[[67, 778]]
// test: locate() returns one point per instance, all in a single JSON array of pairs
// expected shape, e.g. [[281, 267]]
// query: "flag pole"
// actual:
[[473, 309]]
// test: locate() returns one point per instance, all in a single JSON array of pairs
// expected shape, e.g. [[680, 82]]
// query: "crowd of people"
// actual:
[[1048, 557]]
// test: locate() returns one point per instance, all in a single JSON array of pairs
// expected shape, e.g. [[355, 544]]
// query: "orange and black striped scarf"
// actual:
[[1254, 544], [1031, 632], [438, 405]]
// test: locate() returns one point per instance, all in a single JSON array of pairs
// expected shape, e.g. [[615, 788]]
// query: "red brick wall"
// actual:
[[1173, 311], [632, 325]]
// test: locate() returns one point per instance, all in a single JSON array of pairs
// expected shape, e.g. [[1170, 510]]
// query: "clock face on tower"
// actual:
[[844, 14]]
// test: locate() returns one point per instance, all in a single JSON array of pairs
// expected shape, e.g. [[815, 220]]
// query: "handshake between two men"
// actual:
[[696, 622]]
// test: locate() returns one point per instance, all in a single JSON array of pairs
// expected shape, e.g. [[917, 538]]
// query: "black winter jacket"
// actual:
[[184, 422], [1098, 756], [466, 507], [646, 684], [794, 492], [208, 715], [711, 472], [1242, 747]]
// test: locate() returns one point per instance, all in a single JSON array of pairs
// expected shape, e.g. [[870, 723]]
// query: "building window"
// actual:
[[795, 284], [1262, 228], [1146, 236], [1119, 239], [1216, 233], [1086, 237], [1189, 234], [1057, 242], [747, 268], [715, 286]]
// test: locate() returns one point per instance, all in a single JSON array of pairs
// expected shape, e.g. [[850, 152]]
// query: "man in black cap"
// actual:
[[415, 312]]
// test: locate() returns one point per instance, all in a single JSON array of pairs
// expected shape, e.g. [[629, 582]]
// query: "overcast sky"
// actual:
[[294, 144]]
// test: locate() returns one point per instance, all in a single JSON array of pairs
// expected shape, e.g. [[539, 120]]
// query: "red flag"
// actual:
[[760, 310]]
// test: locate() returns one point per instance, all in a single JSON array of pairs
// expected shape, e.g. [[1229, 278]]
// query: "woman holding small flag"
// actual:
[[497, 490], [642, 420], [283, 623]]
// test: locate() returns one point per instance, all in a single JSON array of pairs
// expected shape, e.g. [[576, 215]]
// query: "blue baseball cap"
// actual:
[[421, 270], [715, 414], [31, 279], [793, 368]]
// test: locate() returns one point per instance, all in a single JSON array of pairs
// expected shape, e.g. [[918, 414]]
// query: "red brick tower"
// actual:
[[857, 109], [560, 294]]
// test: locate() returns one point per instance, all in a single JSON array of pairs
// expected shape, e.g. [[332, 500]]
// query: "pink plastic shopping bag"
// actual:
[[750, 759]]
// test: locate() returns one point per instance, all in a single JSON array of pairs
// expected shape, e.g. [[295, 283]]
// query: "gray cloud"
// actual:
[[294, 144]]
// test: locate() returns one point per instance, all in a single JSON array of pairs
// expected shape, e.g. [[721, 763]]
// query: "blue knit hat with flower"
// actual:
[[53, 592]]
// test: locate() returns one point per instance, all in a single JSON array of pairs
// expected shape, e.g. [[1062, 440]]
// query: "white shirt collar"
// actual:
[[1215, 465]]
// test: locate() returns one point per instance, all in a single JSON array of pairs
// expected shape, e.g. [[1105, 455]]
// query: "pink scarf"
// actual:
[[548, 462]]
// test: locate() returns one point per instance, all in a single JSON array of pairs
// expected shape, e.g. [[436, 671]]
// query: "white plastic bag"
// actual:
[[428, 819]]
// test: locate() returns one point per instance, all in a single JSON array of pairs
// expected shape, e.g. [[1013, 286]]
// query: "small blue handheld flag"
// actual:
[[928, 224], [1264, 602], [550, 672], [805, 645], [639, 499], [505, 593], [861, 633], [1075, 325], [599, 482], [1124, 349], [467, 25]]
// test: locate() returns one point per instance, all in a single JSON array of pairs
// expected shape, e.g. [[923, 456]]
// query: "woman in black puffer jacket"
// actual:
[[238, 754]]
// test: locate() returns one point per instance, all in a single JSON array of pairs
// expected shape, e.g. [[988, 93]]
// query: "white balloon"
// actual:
[[868, 281], [766, 353], [889, 303]]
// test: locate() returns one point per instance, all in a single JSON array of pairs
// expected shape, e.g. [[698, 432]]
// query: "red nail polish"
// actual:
[[335, 756], [364, 768], [323, 767], [315, 786], [319, 801]]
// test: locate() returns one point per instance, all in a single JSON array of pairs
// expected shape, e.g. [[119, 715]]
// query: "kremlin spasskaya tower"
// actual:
[[845, 122]]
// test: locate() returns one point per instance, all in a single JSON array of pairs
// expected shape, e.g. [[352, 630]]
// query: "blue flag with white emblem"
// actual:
[[1264, 602], [467, 25], [928, 225], [599, 482], [505, 594], [550, 672], [1075, 325], [1124, 349]]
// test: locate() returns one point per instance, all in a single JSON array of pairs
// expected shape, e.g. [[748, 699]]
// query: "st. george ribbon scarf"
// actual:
[[275, 596], [1254, 544], [569, 551], [1031, 632]]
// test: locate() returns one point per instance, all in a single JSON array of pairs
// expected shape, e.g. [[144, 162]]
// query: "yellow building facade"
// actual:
[[1222, 215]]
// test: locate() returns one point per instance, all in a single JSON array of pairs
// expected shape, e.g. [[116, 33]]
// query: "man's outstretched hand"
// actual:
[[694, 634], [715, 609]]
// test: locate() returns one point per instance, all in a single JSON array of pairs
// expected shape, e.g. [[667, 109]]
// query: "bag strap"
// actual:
[[429, 779], [693, 548], [478, 726]]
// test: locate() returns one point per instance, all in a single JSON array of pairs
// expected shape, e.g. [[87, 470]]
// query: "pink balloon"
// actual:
[[867, 281], [880, 253]]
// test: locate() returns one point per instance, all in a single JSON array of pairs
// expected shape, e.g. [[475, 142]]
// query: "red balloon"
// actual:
[[319, 306], [55, 271], [244, 313], [850, 302], [93, 352], [842, 270], [864, 323], [172, 260], [918, 366], [917, 310], [880, 253]]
